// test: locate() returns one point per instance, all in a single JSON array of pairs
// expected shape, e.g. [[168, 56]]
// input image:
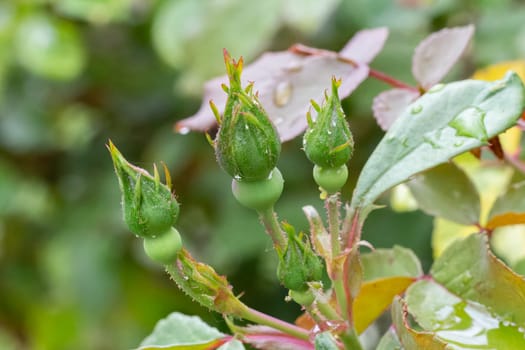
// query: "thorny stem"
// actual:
[[332, 207], [270, 321], [271, 224], [349, 337], [372, 73]]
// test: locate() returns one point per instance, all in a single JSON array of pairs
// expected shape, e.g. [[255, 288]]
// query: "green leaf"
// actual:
[[463, 323], [390, 341], [509, 208], [325, 341], [447, 192], [394, 262], [182, 332], [448, 120], [468, 269], [409, 337]]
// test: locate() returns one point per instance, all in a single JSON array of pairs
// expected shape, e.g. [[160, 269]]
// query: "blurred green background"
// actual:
[[74, 73]]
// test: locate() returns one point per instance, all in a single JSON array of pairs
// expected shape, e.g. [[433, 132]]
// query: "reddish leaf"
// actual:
[[509, 209], [287, 81], [436, 54], [389, 104], [365, 45]]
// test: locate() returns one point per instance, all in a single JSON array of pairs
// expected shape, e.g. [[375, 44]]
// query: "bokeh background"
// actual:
[[74, 73]]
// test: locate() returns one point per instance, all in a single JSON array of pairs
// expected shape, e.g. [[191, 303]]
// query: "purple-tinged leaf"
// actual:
[[286, 82], [389, 105], [436, 54], [365, 45]]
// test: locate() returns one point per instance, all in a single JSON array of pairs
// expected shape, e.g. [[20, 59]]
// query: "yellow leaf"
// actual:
[[445, 232], [402, 200], [508, 242], [374, 297], [213, 344], [498, 70], [506, 219]]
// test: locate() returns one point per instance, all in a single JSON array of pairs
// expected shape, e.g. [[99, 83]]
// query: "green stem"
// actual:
[[271, 224], [328, 311], [267, 320], [351, 340], [332, 207]]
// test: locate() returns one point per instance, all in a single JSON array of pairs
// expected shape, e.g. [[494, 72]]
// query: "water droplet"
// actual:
[[247, 127], [416, 109], [431, 141], [184, 130], [282, 93], [458, 143], [436, 88], [237, 177], [470, 123], [499, 86], [294, 67], [278, 121]]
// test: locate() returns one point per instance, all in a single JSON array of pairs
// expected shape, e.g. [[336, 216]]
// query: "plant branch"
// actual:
[[332, 205], [271, 224], [270, 321], [372, 73]]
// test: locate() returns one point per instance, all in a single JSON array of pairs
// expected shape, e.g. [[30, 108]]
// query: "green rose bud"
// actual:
[[150, 208], [204, 285], [247, 145], [298, 264], [328, 141]]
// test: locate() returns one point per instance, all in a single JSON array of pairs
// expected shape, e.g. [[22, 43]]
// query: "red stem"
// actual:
[[390, 80], [372, 73]]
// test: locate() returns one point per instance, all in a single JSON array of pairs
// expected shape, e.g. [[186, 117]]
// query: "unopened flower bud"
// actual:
[[328, 141], [204, 285], [298, 264], [150, 208], [247, 145]]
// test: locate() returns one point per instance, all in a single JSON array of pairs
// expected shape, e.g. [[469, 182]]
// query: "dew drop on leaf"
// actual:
[[470, 123], [416, 109], [282, 93], [184, 130], [436, 88]]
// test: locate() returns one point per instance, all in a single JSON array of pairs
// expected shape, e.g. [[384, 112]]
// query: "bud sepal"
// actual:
[[247, 145], [298, 264], [328, 141], [150, 208]]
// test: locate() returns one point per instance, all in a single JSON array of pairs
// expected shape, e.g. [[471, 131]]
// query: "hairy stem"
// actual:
[[271, 224], [332, 207]]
